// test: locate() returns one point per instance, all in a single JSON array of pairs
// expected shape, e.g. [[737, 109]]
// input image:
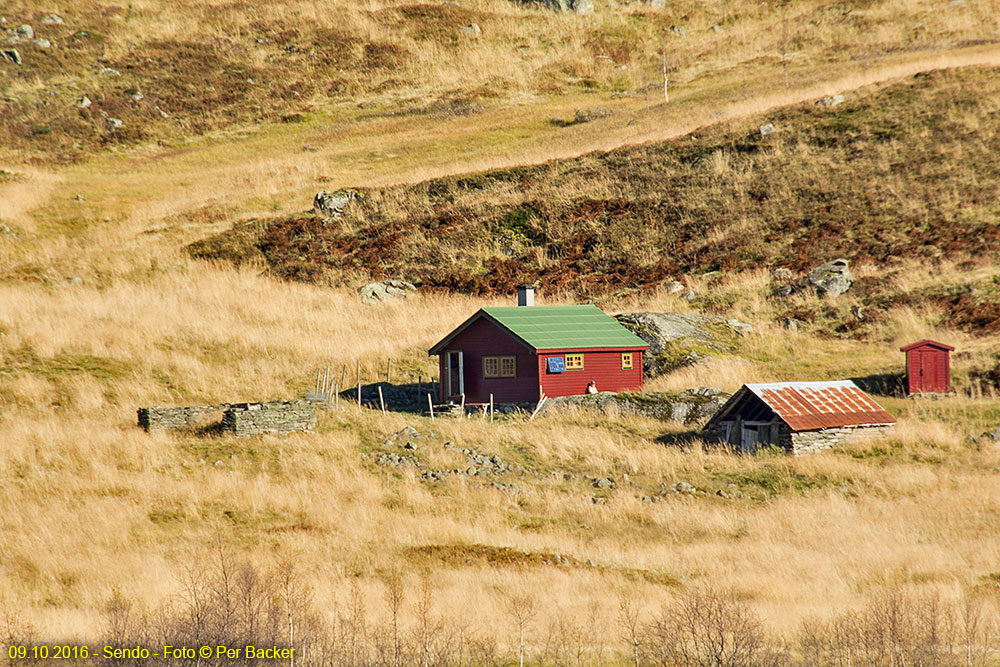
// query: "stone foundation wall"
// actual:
[[807, 442], [161, 419], [246, 419]]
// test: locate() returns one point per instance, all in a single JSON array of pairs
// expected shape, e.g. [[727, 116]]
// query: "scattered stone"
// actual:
[[471, 30], [674, 287], [658, 4], [74, 280], [12, 55], [716, 29], [830, 101], [604, 483], [857, 312], [786, 290], [583, 6], [114, 123], [107, 71], [50, 19], [410, 445], [332, 204], [386, 290], [587, 115], [163, 114], [678, 30], [766, 129], [782, 274], [78, 198], [218, 463], [598, 500], [832, 279], [791, 324], [24, 31], [689, 295], [43, 43], [83, 102], [135, 94]]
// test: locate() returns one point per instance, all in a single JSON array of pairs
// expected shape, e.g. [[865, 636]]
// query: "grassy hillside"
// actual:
[[900, 179], [886, 547], [169, 71]]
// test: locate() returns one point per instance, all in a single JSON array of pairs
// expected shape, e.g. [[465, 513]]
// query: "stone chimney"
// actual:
[[525, 295]]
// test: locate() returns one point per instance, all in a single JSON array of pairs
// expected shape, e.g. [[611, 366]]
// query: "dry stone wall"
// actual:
[[241, 419], [246, 419], [807, 442], [163, 419]]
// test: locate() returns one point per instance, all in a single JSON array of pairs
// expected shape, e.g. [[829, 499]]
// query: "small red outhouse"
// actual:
[[928, 367]]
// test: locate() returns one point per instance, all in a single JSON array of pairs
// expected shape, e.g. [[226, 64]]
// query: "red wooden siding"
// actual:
[[481, 339], [928, 369], [603, 366]]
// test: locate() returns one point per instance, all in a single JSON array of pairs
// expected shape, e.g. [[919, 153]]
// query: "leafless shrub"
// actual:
[[707, 628], [900, 629]]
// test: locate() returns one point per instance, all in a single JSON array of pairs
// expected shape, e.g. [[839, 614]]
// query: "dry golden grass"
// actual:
[[89, 503]]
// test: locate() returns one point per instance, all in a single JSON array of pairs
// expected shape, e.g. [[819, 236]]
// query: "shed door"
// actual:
[[928, 371], [748, 443]]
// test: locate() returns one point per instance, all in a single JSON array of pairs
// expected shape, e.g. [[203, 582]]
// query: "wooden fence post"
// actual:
[[430, 404], [491, 408]]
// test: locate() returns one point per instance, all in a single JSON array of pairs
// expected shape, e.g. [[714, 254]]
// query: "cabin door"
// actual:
[[455, 375], [748, 441]]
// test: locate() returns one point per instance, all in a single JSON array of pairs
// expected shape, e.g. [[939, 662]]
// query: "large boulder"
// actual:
[[832, 279], [332, 204], [682, 339], [691, 406], [386, 290]]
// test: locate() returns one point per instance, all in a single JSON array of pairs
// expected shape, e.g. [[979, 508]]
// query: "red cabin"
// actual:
[[516, 352], [928, 367]]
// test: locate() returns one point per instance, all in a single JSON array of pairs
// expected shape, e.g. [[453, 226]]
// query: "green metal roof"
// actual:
[[555, 327]]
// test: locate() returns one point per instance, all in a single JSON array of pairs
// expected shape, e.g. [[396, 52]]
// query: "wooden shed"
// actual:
[[928, 367], [516, 352], [799, 417]]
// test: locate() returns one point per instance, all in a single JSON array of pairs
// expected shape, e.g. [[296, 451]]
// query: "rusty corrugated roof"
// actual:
[[807, 406]]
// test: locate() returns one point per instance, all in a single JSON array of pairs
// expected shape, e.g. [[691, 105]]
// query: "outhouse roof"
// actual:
[[556, 328], [927, 342], [807, 406]]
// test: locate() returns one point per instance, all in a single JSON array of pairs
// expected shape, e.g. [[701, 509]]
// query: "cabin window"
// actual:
[[574, 362], [626, 360], [500, 367]]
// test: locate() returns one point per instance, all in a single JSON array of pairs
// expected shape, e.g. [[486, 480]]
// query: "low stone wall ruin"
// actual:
[[246, 419], [240, 419], [169, 419]]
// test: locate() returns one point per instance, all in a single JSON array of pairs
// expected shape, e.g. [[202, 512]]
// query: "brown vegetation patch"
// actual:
[[484, 555]]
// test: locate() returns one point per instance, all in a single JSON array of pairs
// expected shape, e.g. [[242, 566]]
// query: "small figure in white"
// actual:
[[592, 387]]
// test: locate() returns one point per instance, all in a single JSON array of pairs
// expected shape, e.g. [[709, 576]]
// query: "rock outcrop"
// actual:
[[681, 339], [386, 290]]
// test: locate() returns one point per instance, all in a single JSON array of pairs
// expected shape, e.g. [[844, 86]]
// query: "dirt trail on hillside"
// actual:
[[658, 128]]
